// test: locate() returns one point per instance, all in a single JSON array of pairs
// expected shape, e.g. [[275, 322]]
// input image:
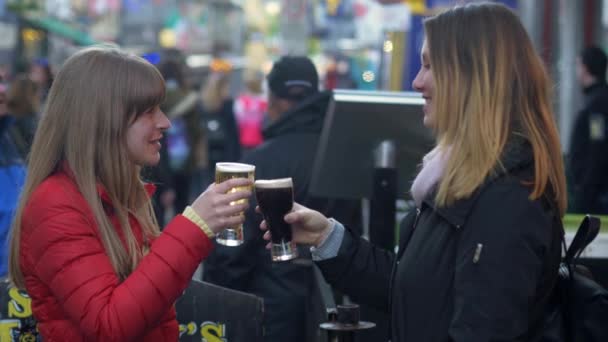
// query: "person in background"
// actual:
[[6, 74], [296, 110], [479, 255], [588, 157], [12, 176], [40, 72], [24, 104], [84, 244], [249, 109], [183, 152], [218, 118]]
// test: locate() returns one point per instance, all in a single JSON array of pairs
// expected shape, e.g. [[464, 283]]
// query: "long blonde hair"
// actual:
[[490, 84], [97, 94]]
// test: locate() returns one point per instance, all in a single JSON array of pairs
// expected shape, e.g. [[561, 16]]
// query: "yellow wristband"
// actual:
[[191, 215]]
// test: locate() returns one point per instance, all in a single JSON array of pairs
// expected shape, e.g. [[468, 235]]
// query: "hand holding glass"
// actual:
[[308, 227], [275, 199], [233, 236]]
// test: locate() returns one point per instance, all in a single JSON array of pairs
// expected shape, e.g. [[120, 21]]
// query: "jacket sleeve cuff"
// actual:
[[195, 218], [331, 245], [189, 235]]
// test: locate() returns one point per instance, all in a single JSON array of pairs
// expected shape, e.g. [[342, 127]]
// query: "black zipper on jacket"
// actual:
[[418, 211], [392, 278]]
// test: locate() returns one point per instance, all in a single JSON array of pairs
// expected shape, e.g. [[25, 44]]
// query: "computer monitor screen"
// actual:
[[355, 125]]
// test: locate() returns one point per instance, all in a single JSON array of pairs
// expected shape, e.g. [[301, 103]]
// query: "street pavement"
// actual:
[[597, 249]]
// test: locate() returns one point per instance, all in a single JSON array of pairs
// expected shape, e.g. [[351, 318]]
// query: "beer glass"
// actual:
[[275, 199], [233, 236]]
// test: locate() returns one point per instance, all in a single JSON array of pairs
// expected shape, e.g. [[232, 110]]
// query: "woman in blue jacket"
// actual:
[[12, 176], [475, 259]]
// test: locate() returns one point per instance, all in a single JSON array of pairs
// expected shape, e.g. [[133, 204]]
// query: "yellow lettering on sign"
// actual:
[[20, 305], [27, 337], [188, 329], [6, 327], [213, 332], [191, 328]]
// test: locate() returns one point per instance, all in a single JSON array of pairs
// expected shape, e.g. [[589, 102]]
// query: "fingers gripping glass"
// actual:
[[275, 199], [233, 236]]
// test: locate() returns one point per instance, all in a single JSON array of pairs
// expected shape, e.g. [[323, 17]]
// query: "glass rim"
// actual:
[[234, 167], [278, 183]]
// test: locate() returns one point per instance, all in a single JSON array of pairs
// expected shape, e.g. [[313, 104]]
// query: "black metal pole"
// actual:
[[344, 323], [382, 226], [341, 336], [384, 195]]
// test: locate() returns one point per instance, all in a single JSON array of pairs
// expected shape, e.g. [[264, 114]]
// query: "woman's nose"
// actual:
[[417, 83], [164, 122]]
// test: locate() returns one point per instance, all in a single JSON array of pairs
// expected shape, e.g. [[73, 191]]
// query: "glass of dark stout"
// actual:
[[275, 199]]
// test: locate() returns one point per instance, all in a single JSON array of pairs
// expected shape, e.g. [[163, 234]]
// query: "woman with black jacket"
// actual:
[[476, 257]]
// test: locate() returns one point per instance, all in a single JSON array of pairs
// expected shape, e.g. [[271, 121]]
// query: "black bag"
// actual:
[[578, 307], [212, 313]]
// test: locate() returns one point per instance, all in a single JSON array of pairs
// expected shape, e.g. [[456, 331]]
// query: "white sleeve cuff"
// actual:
[[329, 248]]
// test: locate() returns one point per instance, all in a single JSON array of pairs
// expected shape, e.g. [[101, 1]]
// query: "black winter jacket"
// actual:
[[289, 149], [588, 157], [477, 270]]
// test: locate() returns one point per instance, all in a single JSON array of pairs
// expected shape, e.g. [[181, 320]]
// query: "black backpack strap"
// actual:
[[586, 233]]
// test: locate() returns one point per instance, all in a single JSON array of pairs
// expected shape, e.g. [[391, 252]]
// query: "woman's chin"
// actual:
[[149, 161], [153, 161], [427, 121]]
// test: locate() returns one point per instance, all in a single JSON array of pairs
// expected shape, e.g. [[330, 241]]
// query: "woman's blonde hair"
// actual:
[[97, 94], [490, 84], [215, 90]]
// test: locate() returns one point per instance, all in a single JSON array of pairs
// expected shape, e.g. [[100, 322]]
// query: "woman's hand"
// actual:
[[309, 227], [214, 205]]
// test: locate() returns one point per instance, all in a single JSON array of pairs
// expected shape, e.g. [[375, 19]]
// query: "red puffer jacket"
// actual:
[[76, 295]]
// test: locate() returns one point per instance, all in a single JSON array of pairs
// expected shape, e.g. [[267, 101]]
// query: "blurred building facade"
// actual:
[[364, 44]]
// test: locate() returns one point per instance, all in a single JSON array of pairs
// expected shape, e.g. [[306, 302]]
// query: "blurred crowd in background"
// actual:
[[215, 55]]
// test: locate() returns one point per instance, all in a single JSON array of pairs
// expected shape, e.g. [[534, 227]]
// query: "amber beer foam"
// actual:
[[226, 171]]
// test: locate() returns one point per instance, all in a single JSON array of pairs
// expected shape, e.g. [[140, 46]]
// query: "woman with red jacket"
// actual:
[[85, 244]]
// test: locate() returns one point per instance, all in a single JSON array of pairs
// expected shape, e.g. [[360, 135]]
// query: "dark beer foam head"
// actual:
[[274, 183], [234, 167]]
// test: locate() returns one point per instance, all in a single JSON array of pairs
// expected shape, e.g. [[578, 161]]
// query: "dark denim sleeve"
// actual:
[[360, 270]]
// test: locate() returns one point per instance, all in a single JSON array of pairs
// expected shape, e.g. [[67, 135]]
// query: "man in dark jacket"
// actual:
[[588, 159], [296, 110]]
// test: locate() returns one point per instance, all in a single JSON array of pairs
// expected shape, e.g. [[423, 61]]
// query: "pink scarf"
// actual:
[[433, 165]]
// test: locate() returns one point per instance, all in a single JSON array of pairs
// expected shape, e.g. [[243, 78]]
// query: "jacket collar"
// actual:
[[305, 117], [592, 88], [516, 156]]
